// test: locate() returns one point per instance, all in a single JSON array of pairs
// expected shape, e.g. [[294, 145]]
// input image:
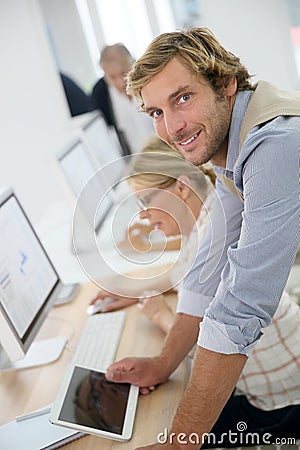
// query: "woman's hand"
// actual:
[[137, 238], [117, 303], [158, 311]]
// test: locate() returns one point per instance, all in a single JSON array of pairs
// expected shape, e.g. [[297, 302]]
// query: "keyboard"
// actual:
[[99, 340]]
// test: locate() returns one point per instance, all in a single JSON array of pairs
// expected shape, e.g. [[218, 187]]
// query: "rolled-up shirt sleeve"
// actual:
[[258, 264]]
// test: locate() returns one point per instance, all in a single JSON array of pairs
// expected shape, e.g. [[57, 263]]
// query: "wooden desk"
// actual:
[[26, 390]]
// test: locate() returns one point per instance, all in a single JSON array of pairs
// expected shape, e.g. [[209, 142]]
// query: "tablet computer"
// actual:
[[88, 402]]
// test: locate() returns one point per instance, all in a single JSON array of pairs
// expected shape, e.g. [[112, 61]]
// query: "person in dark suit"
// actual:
[[118, 108], [79, 102], [116, 61]]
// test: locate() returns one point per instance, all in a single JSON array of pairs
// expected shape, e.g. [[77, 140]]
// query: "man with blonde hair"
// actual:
[[203, 104]]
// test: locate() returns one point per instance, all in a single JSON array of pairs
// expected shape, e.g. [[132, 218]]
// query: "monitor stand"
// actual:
[[39, 353]]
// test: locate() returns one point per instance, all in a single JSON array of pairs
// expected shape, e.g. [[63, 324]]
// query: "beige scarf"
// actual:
[[266, 103]]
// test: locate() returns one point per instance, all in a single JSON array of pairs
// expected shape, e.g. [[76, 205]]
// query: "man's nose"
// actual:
[[174, 123]]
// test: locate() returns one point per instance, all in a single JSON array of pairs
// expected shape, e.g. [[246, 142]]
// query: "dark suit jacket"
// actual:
[[101, 100], [79, 102]]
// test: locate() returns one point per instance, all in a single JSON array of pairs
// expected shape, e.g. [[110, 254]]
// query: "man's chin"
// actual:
[[194, 158]]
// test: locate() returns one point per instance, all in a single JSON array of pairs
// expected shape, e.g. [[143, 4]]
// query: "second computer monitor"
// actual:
[[88, 183], [104, 144]]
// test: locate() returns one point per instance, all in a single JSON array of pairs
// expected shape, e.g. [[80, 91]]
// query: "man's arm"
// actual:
[[182, 337], [194, 297], [252, 280], [145, 372], [259, 264], [212, 381]]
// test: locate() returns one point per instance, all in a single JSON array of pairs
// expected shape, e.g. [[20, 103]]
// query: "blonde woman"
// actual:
[[174, 197]]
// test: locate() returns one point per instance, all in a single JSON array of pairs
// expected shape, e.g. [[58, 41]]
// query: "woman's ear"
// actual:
[[183, 187]]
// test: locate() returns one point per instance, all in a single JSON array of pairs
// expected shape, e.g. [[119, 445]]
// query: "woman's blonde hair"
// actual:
[[158, 165], [201, 53]]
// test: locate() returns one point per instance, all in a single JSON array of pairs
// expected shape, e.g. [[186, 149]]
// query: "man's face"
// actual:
[[116, 66], [115, 75], [188, 114]]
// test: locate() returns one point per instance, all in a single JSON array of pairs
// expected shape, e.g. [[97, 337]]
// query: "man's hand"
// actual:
[[118, 303], [148, 372], [143, 372]]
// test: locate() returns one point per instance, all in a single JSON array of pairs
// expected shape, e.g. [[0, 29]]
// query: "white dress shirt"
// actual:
[[136, 125]]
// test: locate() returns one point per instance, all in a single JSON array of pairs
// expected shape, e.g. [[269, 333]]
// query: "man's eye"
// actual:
[[156, 113], [184, 98]]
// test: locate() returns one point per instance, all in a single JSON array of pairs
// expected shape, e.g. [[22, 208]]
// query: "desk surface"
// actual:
[[26, 390]]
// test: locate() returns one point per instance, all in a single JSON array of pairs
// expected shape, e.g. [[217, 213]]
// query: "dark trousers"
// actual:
[[241, 424]]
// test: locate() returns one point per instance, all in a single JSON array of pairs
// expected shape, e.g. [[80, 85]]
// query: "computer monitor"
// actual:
[[104, 144], [87, 183], [29, 285]]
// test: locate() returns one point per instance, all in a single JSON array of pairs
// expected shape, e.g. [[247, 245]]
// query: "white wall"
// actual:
[[35, 120], [258, 31], [68, 39]]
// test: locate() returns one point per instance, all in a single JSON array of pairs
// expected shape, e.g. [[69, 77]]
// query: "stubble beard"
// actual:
[[217, 140]]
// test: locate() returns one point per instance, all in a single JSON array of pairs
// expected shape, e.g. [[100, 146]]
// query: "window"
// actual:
[[132, 22], [294, 6]]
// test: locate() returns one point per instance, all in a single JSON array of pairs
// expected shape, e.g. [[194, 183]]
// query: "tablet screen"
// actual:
[[93, 401]]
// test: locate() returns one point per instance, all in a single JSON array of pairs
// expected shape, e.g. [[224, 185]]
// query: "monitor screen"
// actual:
[[86, 182], [104, 144], [28, 280]]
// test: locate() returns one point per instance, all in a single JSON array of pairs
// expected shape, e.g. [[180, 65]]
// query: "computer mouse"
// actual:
[[98, 306]]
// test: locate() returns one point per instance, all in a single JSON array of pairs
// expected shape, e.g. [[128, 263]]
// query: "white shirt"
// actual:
[[136, 125]]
